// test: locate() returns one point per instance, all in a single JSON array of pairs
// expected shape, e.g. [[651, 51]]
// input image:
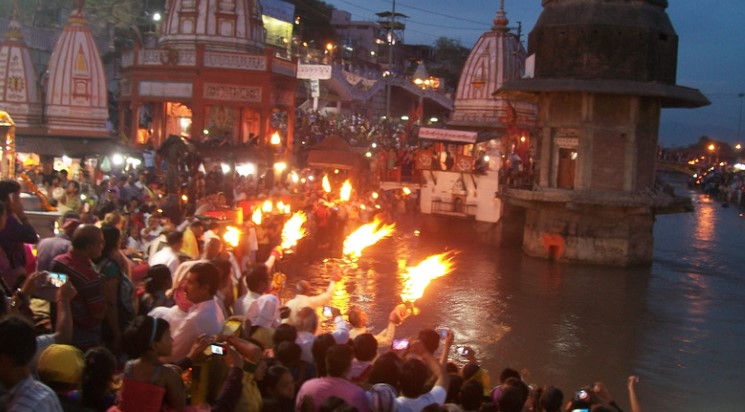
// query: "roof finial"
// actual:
[[14, 27], [78, 5], [500, 22], [16, 10]]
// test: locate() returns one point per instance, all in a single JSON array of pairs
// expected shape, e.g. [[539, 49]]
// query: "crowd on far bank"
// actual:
[[725, 184]]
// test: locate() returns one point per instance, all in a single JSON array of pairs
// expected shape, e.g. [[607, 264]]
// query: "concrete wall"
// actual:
[[597, 236]]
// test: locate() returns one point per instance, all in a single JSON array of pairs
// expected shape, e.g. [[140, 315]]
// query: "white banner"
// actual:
[[315, 88], [459, 136], [314, 71]]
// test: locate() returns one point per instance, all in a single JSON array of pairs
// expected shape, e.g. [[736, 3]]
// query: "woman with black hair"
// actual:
[[98, 376], [118, 288], [16, 233], [147, 383]]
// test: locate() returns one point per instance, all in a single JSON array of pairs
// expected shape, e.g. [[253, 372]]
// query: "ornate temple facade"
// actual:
[[207, 76]]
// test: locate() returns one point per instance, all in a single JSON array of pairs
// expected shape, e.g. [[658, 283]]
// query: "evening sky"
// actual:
[[711, 51]]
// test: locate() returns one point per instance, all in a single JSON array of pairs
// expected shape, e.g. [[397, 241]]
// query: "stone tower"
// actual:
[[76, 94], [603, 71], [496, 58], [19, 89]]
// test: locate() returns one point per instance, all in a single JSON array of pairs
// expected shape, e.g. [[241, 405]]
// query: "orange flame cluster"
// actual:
[[325, 184], [232, 236], [293, 230], [346, 191], [257, 217], [367, 235], [417, 278]]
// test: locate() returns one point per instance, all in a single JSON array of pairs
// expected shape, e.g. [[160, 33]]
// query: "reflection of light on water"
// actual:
[[705, 221]]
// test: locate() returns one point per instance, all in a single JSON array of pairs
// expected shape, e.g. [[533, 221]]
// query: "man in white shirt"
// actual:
[[205, 317], [307, 325], [169, 255], [257, 282], [303, 300], [414, 378]]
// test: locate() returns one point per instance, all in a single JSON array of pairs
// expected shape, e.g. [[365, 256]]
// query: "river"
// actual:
[[677, 324]]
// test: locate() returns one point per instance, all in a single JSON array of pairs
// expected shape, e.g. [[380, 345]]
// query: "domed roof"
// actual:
[[497, 57], [233, 25], [76, 96], [19, 91]]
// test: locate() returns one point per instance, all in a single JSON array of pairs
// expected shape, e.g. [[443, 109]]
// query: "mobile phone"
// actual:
[[463, 351], [56, 279], [217, 349], [582, 395], [400, 344], [442, 331], [581, 410], [327, 313]]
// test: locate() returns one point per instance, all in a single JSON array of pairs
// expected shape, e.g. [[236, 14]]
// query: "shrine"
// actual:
[[207, 76]]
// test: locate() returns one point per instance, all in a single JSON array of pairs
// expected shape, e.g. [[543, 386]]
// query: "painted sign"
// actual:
[[458, 136], [314, 71]]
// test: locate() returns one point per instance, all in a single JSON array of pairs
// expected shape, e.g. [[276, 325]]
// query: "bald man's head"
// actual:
[[88, 240]]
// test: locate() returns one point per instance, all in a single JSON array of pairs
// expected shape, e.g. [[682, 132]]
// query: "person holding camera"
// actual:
[[89, 305], [414, 377]]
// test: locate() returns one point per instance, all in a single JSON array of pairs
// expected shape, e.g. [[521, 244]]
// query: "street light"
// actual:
[[712, 147]]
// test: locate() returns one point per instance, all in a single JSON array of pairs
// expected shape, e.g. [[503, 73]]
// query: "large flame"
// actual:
[[325, 184], [256, 216], [346, 191], [232, 236], [366, 235], [267, 206], [293, 230], [416, 279]]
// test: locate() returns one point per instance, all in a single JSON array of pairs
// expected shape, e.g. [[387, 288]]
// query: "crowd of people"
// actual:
[[139, 304]]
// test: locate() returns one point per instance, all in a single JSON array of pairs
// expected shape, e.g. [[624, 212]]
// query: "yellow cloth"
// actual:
[[250, 396], [191, 245]]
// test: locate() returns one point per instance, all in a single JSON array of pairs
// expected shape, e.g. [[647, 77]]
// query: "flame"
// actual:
[[416, 279], [293, 230], [406, 190], [232, 236], [267, 206], [185, 198], [325, 183], [346, 191], [366, 235], [281, 206], [256, 216], [375, 195]]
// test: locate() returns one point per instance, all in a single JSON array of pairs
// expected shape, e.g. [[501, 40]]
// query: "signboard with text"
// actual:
[[456, 136], [314, 71]]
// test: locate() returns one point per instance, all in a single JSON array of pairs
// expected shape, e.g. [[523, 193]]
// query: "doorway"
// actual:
[[566, 169]]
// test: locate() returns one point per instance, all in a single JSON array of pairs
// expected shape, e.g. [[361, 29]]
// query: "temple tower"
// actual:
[[234, 25], [603, 71], [497, 57], [76, 95], [19, 87]]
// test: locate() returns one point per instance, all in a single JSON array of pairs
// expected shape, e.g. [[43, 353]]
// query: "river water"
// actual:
[[679, 324]]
